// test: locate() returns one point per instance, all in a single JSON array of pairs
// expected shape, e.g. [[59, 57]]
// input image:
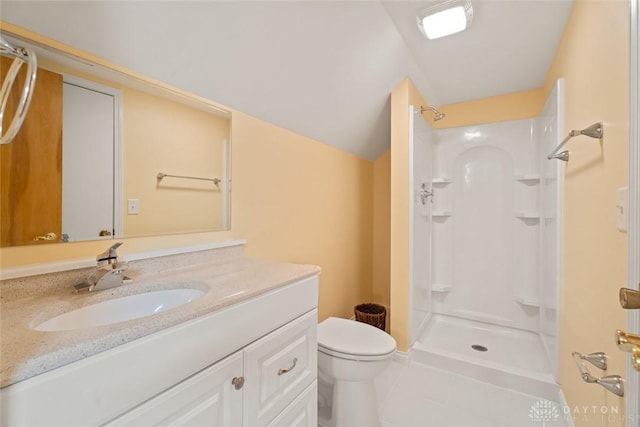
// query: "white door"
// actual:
[[633, 235], [421, 190], [87, 163]]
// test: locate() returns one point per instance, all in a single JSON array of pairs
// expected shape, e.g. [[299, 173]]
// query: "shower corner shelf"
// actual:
[[527, 300], [528, 215], [441, 213], [441, 180], [528, 177], [439, 287]]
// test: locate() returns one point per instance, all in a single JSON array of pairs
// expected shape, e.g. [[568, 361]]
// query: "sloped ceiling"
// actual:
[[319, 68]]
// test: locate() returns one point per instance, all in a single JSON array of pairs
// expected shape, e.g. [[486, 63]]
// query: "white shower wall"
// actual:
[[486, 223]]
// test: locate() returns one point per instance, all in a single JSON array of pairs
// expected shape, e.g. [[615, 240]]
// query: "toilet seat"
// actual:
[[354, 357], [348, 339]]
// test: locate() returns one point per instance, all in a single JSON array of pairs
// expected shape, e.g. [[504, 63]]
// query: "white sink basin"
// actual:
[[120, 310]]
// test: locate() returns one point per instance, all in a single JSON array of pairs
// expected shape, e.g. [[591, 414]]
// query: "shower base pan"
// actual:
[[505, 357]]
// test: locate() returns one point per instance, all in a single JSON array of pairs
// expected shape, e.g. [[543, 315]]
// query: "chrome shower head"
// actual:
[[437, 115]]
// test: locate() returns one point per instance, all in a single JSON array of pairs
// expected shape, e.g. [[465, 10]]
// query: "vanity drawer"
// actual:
[[303, 412], [278, 368]]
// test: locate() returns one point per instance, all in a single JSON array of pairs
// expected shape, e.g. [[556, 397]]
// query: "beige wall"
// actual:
[[512, 106], [294, 199], [382, 229], [404, 95], [592, 57], [298, 200], [163, 136]]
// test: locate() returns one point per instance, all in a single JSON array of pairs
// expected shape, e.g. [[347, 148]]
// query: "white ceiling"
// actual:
[[323, 69]]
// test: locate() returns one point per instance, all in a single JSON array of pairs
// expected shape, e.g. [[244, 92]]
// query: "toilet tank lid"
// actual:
[[352, 337]]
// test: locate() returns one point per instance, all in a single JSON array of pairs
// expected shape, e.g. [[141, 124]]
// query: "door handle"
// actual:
[[635, 359], [627, 342], [631, 344], [48, 237], [629, 298]]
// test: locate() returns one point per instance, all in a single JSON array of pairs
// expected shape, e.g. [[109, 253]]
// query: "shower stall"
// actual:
[[484, 240]]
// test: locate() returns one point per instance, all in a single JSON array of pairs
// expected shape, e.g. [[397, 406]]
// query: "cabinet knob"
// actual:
[[237, 382]]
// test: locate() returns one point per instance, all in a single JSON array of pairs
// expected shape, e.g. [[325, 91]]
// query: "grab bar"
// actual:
[[161, 175], [21, 55]]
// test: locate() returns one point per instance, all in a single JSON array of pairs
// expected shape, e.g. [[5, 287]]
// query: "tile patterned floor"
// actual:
[[416, 395]]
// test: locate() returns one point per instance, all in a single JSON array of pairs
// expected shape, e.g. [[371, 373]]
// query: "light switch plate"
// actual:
[[621, 208], [132, 207]]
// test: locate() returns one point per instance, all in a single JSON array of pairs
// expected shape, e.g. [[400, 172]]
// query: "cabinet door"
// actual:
[[303, 412], [206, 399], [278, 368]]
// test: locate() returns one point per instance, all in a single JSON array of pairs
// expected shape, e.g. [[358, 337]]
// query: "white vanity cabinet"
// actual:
[[206, 399], [278, 368], [249, 388], [184, 375]]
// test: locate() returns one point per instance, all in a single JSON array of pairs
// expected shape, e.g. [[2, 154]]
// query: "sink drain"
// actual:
[[479, 347]]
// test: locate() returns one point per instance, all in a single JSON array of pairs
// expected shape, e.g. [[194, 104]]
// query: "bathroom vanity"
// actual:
[[242, 354]]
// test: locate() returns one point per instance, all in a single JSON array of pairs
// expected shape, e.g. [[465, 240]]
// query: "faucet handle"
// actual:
[[109, 258], [109, 253]]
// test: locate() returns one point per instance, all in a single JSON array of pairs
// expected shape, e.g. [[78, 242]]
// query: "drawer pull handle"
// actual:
[[284, 371], [238, 382]]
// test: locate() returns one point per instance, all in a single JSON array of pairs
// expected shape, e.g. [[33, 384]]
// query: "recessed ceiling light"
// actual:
[[445, 18]]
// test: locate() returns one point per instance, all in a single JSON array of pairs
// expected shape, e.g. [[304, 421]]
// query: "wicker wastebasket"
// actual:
[[373, 314]]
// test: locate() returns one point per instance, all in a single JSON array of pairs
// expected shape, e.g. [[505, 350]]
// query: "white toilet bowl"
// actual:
[[350, 355]]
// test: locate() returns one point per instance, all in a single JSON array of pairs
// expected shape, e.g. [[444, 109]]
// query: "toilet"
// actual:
[[350, 355]]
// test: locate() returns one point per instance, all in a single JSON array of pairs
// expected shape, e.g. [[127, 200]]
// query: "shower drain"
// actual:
[[479, 347]]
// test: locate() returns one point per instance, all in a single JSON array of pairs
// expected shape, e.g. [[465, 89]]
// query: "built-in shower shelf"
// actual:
[[439, 287], [528, 178], [527, 300], [441, 180], [528, 215], [441, 213]]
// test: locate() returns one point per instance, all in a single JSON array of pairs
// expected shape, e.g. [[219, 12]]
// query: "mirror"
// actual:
[[104, 154]]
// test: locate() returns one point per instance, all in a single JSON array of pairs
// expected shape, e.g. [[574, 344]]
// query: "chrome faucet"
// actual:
[[108, 274]]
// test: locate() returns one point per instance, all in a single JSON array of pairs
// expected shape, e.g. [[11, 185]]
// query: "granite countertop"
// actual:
[[25, 352]]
